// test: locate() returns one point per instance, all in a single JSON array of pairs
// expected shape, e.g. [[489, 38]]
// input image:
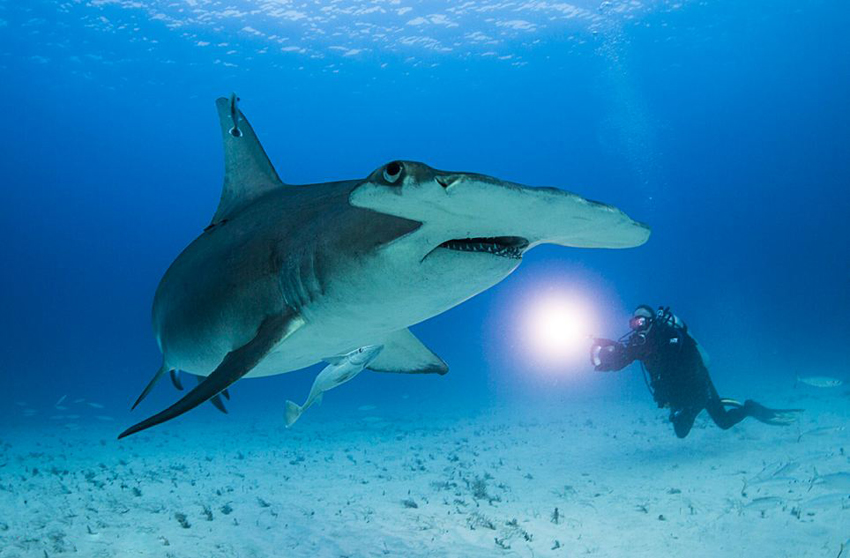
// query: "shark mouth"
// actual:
[[505, 246]]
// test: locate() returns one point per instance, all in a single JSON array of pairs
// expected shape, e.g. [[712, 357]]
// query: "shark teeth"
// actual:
[[504, 246]]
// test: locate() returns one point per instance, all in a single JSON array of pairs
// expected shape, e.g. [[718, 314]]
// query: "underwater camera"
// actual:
[[602, 352]]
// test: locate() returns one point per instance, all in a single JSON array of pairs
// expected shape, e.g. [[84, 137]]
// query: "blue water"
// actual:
[[723, 125]]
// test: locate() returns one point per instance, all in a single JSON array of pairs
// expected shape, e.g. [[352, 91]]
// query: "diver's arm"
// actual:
[[610, 356]]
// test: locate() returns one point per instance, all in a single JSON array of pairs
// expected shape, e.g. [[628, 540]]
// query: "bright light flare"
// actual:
[[556, 328]]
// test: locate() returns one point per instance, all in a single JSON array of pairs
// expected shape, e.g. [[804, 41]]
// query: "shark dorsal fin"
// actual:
[[248, 173]]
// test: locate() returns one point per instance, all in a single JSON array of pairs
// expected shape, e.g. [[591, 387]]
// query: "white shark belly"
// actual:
[[384, 299]]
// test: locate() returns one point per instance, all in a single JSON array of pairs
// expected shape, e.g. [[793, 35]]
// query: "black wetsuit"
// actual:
[[676, 373]]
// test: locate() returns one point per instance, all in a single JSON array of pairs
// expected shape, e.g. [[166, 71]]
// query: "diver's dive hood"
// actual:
[[641, 317]]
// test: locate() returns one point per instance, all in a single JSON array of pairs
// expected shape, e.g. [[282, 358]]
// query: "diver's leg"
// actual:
[[727, 418], [722, 417], [683, 420]]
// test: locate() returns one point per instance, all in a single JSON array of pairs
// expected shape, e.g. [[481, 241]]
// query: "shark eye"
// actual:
[[392, 172]]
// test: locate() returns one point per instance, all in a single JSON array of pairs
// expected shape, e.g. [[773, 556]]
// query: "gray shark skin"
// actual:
[[286, 276]]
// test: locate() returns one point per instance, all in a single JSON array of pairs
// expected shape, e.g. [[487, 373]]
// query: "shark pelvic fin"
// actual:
[[175, 379], [162, 370], [403, 353], [216, 400], [248, 173], [236, 364], [218, 403]]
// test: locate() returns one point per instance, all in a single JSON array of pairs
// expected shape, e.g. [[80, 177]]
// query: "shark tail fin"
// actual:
[[293, 411]]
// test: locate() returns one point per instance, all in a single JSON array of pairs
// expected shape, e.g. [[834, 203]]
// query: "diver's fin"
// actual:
[[248, 173], [731, 403], [291, 414], [226, 394], [405, 354], [162, 370], [236, 364], [215, 399], [776, 417], [175, 379]]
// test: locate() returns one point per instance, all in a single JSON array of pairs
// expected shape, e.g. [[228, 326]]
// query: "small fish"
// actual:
[[29, 412], [61, 408], [834, 481], [820, 381], [95, 405], [340, 370], [773, 481], [104, 417], [80, 400], [838, 500], [821, 431], [776, 469], [61, 399], [366, 408], [764, 503]]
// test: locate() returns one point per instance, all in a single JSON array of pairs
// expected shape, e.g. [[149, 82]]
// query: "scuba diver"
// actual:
[[675, 372]]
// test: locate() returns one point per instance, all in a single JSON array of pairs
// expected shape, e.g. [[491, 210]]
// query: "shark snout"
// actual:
[[480, 213]]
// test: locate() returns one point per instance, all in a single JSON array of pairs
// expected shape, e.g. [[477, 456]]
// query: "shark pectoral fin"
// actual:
[[226, 394], [162, 370], [318, 400], [248, 173], [236, 364], [334, 359], [403, 353], [175, 379]]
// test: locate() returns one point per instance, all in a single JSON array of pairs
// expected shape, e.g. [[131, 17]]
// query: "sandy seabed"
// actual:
[[599, 478]]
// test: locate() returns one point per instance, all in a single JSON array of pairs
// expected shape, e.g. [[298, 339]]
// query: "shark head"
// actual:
[[478, 216]]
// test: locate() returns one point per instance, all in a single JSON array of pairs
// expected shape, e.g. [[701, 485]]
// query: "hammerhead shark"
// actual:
[[285, 276]]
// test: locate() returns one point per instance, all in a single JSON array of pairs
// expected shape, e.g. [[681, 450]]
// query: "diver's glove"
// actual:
[[778, 417]]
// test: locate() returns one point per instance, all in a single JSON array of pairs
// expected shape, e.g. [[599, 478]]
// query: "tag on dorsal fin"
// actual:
[[248, 173]]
